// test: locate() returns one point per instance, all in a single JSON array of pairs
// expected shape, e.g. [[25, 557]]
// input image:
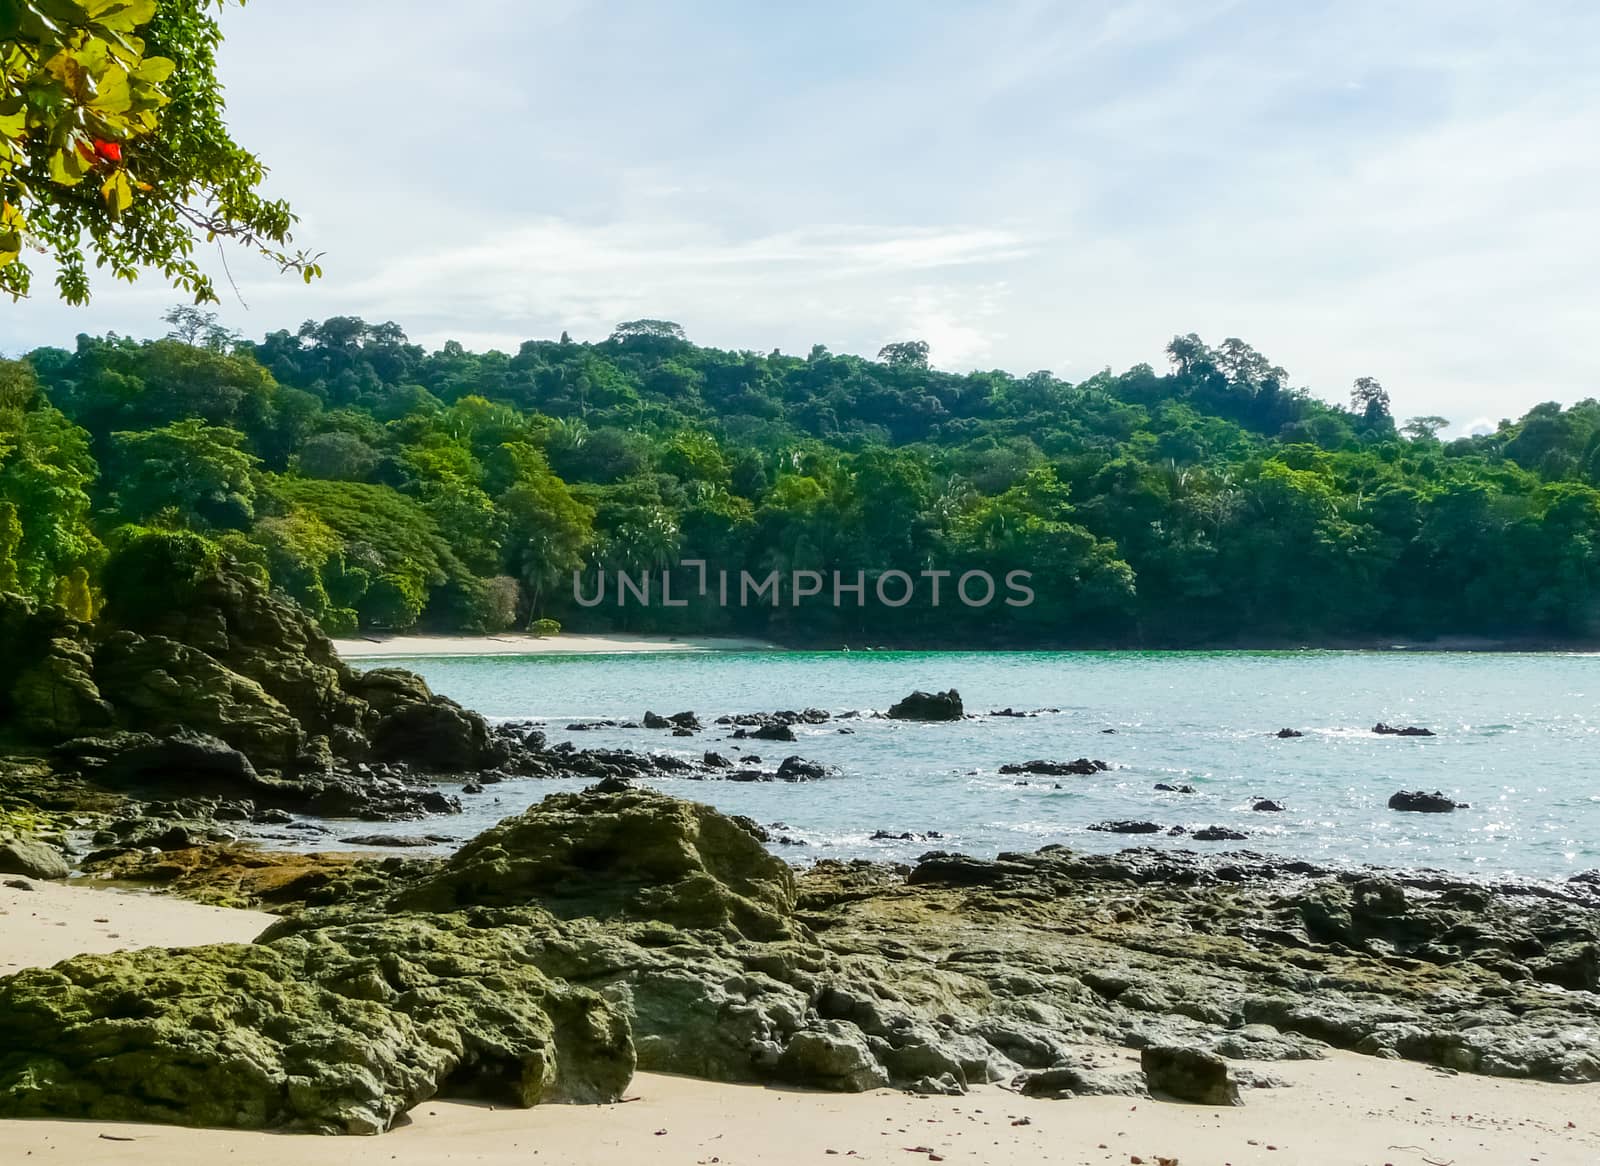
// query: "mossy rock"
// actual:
[[634, 854], [338, 1030]]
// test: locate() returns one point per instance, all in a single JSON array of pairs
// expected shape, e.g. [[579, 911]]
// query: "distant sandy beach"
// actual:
[[1346, 1111], [516, 644]]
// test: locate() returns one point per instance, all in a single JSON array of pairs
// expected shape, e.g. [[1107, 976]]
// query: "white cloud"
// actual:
[[1363, 189]]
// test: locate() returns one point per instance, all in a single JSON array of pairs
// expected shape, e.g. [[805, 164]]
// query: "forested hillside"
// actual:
[[386, 487]]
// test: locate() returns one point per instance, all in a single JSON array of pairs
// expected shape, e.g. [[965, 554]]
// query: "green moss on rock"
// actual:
[[338, 1030]]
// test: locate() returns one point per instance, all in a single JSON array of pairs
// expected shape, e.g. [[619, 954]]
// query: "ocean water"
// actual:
[[1518, 738]]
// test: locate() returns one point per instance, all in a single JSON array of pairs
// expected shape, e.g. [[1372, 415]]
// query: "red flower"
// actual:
[[110, 151]]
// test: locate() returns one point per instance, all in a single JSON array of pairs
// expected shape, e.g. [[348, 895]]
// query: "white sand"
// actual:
[[517, 644], [1346, 1110]]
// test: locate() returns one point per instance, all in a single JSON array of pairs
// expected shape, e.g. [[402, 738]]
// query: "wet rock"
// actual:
[[36, 860], [1166, 787], [1268, 806], [1127, 827], [799, 769], [928, 706], [772, 732], [1286, 734], [1188, 1074], [1420, 802], [1394, 731], [401, 841], [715, 761], [1082, 767]]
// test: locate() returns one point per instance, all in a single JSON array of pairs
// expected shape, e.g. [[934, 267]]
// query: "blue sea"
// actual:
[[1518, 737]]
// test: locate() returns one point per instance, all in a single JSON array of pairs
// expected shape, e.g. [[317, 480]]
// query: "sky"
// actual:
[[1399, 190]]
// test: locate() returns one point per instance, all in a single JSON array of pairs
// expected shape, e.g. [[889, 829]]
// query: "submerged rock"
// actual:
[[928, 706], [1127, 827]]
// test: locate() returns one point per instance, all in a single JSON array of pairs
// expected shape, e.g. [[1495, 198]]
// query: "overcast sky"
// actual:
[[1402, 190]]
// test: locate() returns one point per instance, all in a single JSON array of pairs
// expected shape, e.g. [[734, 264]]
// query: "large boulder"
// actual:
[[1188, 1074], [33, 859], [632, 854], [439, 735], [929, 706], [338, 1030]]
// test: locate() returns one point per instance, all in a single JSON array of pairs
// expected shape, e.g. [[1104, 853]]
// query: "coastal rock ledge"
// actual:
[[619, 928]]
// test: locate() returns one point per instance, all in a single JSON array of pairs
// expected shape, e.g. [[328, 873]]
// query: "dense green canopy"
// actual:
[[383, 485]]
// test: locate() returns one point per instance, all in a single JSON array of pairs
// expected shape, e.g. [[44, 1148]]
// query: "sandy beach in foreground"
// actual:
[[519, 644], [1348, 1109]]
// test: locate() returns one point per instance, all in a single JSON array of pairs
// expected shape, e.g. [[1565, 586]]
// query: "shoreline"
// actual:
[[524, 644], [1345, 1109], [421, 646]]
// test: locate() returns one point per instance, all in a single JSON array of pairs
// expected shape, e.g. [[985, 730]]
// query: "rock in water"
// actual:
[[632, 854], [929, 706], [1384, 730], [37, 860], [1187, 1074], [799, 769], [339, 1030], [1127, 827], [1420, 802], [1082, 767]]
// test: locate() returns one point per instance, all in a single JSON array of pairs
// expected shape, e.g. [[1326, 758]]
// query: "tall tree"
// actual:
[[113, 146]]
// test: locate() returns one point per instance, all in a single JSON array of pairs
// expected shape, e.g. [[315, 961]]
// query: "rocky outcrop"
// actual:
[[633, 854], [47, 685], [338, 1030], [928, 706], [1082, 767], [1420, 802]]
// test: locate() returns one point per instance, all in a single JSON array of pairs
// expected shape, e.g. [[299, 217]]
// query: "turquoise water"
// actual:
[[1517, 738]]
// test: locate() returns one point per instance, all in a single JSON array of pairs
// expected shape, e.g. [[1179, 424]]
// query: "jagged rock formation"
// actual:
[[227, 689]]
